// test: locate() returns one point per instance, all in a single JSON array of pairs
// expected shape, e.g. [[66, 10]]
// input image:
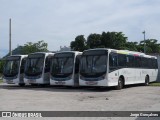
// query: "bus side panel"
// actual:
[[153, 75], [129, 75], [156, 74], [113, 78]]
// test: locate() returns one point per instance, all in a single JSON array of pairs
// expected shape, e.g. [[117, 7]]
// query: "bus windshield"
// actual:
[[62, 65], [93, 65], [11, 67], [34, 64]]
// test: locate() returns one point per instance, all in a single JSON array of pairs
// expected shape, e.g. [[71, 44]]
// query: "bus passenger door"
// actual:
[[113, 69]]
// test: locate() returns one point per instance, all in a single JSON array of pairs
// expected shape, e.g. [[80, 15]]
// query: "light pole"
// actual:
[[144, 41], [10, 47]]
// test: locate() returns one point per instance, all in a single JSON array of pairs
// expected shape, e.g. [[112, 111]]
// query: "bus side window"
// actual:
[[146, 62], [137, 62], [113, 61], [77, 62], [47, 64], [22, 65], [130, 61], [143, 60], [155, 65], [122, 60]]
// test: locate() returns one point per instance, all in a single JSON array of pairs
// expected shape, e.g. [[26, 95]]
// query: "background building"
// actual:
[[65, 48]]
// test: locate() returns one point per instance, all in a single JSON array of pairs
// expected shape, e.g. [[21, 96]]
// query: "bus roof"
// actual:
[[17, 56], [41, 53], [127, 52], [68, 52]]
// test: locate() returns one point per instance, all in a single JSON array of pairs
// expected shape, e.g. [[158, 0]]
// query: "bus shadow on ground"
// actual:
[[52, 88]]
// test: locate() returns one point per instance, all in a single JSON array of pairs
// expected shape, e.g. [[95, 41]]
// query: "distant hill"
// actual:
[[16, 51]]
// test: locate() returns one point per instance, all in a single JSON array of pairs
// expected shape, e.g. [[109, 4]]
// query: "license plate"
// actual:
[[9, 81], [31, 81], [91, 83], [60, 83]]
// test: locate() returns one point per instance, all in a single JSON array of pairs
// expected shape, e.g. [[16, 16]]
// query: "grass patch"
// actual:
[[1, 81], [154, 84]]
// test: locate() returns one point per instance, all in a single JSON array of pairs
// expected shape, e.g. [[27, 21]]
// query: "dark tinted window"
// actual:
[[36, 55], [23, 65], [130, 61], [13, 58], [113, 61], [145, 62], [155, 64], [78, 57], [66, 54], [122, 60], [137, 61], [95, 52], [47, 63]]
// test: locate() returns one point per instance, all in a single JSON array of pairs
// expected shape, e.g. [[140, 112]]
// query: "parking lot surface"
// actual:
[[51, 98]]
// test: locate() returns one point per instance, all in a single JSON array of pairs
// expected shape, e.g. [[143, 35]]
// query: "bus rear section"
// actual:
[[65, 69], [93, 68], [37, 68], [131, 68], [13, 72]]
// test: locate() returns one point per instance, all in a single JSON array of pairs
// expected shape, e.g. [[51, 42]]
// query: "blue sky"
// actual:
[[58, 22]]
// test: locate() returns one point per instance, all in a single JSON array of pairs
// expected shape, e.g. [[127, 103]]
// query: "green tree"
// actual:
[[94, 41], [1, 66], [79, 44], [114, 40], [133, 46], [151, 46], [30, 47]]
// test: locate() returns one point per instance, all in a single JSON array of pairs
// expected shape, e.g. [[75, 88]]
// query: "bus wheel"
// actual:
[[21, 84], [146, 81], [120, 84]]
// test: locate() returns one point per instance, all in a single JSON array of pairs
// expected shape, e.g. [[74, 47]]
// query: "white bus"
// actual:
[[108, 67], [37, 68], [13, 72], [65, 68]]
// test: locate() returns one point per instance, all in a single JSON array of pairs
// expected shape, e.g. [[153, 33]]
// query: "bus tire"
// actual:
[[21, 84], [120, 84], [146, 81]]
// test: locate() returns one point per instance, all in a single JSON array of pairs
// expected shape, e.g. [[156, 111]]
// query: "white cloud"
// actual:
[[58, 22]]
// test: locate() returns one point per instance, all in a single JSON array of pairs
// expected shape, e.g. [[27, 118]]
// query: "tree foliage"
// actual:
[[151, 45], [114, 40], [1, 66], [94, 40], [79, 44], [30, 47]]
